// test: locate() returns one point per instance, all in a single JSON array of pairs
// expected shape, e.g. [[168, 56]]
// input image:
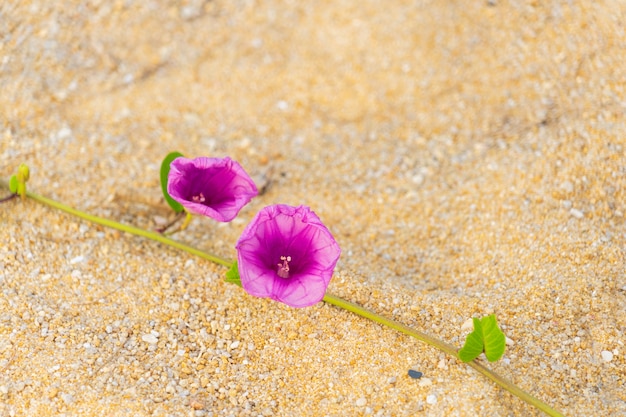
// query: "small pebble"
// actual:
[[415, 374], [607, 356], [468, 324], [431, 399], [150, 338], [576, 213], [77, 259], [361, 402], [67, 398], [424, 382]]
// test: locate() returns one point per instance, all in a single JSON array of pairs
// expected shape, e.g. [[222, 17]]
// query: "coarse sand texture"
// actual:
[[467, 156]]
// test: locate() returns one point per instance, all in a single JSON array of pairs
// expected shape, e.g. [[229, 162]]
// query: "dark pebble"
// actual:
[[415, 374]]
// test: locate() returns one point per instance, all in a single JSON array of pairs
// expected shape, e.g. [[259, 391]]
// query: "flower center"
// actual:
[[198, 198], [283, 267]]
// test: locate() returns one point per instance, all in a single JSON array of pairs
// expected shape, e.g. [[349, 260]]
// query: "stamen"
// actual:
[[198, 198], [283, 268]]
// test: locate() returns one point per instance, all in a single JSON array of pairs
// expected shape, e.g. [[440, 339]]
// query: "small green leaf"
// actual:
[[474, 344], [13, 184], [495, 340], [486, 337], [232, 275], [165, 170]]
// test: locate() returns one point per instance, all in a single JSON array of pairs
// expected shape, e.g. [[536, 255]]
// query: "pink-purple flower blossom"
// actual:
[[287, 254], [213, 187]]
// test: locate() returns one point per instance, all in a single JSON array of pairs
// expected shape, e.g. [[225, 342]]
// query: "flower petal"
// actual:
[[213, 187], [297, 237]]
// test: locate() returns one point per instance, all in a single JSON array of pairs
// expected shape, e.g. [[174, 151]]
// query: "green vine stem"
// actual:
[[129, 229], [444, 347], [328, 298]]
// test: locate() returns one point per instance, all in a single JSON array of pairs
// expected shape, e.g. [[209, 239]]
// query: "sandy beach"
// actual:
[[468, 157]]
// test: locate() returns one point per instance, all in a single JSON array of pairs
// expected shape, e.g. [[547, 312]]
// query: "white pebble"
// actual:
[[235, 344], [468, 324], [77, 259], [150, 338], [424, 382], [431, 399], [576, 213], [607, 356], [361, 402], [67, 398], [64, 133]]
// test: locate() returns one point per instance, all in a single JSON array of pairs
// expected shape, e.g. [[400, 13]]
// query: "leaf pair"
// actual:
[[17, 182], [486, 337]]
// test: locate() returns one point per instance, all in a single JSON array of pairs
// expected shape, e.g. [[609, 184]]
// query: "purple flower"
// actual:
[[287, 254], [213, 187]]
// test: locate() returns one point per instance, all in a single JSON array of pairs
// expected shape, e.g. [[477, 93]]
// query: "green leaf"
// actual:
[[232, 275], [165, 170], [495, 340], [474, 344], [13, 184], [486, 337]]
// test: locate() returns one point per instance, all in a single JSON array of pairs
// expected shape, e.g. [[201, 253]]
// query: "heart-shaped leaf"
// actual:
[[486, 337]]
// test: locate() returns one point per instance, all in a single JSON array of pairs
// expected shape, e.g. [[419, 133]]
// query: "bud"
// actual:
[[23, 173]]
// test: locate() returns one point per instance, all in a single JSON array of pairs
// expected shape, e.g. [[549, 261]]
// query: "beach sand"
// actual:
[[467, 156]]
